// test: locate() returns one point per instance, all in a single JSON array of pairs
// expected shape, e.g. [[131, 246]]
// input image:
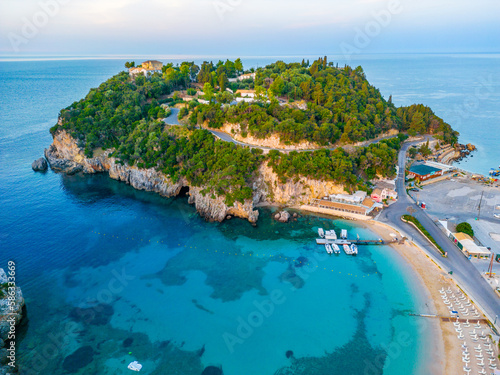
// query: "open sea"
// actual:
[[111, 274]]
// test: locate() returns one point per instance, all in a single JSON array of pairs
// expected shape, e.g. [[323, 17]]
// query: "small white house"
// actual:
[[246, 76], [246, 93]]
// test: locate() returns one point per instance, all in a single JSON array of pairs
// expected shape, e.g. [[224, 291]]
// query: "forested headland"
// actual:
[[319, 102]]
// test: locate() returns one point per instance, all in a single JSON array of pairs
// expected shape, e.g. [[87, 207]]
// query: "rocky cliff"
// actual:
[[64, 155], [10, 316], [296, 192]]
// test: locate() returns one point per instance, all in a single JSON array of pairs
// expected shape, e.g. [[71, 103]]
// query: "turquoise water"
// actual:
[[111, 274]]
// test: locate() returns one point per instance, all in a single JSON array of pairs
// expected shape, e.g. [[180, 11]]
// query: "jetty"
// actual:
[[333, 244]]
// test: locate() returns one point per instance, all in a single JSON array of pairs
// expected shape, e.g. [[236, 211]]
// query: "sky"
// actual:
[[247, 27]]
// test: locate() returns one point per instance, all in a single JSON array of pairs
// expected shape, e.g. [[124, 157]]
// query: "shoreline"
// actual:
[[442, 353]]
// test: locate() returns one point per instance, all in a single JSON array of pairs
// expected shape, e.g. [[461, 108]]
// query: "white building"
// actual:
[[246, 76]]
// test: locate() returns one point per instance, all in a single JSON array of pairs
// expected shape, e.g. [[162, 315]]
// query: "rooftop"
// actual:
[[423, 169], [462, 236]]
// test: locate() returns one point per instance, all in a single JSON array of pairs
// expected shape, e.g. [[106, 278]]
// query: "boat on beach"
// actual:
[[321, 232]]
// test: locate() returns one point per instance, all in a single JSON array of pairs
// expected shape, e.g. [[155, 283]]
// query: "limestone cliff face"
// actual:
[[267, 187], [64, 155]]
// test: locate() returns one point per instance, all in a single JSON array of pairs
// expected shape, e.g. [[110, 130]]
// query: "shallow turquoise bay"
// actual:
[[111, 274]]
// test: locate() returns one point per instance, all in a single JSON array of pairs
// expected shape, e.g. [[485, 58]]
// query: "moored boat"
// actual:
[[321, 232], [347, 249], [134, 366], [354, 249], [343, 233], [330, 235], [335, 248], [328, 248]]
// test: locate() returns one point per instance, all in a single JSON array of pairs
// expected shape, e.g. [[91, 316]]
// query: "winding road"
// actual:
[[227, 138], [464, 272]]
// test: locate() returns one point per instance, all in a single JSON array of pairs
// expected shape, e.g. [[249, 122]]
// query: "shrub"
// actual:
[[465, 228], [415, 221]]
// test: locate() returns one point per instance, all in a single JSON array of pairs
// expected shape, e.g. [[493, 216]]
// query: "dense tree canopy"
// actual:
[[336, 104], [341, 106]]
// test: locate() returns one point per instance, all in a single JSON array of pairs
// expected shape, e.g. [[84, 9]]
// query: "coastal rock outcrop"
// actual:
[[10, 316], [64, 155], [282, 216], [39, 165]]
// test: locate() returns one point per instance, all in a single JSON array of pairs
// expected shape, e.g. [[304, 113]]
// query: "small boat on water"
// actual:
[[135, 366], [343, 234], [330, 235], [321, 232], [354, 249], [347, 249], [328, 248], [335, 248]]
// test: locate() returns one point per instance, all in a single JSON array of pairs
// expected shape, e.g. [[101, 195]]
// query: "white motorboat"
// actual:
[[343, 234], [354, 249], [347, 249], [135, 366], [321, 232], [335, 248], [331, 235], [328, 248]]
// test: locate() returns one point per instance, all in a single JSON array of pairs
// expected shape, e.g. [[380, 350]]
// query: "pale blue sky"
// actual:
[[247, 27]]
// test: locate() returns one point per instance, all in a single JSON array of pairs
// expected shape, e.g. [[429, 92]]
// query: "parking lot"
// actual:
[[458, 200]]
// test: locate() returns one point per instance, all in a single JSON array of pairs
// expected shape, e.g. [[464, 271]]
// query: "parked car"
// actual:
[[414, 189], [497, 216]]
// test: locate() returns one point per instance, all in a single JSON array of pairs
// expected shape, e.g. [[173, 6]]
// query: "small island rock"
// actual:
[[39, 165], [282, 216]]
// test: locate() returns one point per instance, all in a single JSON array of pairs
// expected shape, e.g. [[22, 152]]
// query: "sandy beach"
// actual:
[[443, 352]]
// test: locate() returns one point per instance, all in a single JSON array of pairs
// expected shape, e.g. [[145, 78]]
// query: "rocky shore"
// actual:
[[65, 156], [10, 316]]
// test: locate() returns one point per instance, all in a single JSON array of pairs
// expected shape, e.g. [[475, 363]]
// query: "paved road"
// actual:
[[227, 138], [463, 271], [173, 118]]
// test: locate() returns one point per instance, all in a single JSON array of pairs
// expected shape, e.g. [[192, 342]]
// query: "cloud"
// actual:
[[231, 26]]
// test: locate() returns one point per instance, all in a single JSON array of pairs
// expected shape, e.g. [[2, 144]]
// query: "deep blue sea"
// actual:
[[111, 274]]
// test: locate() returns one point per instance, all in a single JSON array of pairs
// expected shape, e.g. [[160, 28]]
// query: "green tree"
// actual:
[[223, 82], [277, 86], [208, 91], [425, 149], [465, 228], [238, 65]]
